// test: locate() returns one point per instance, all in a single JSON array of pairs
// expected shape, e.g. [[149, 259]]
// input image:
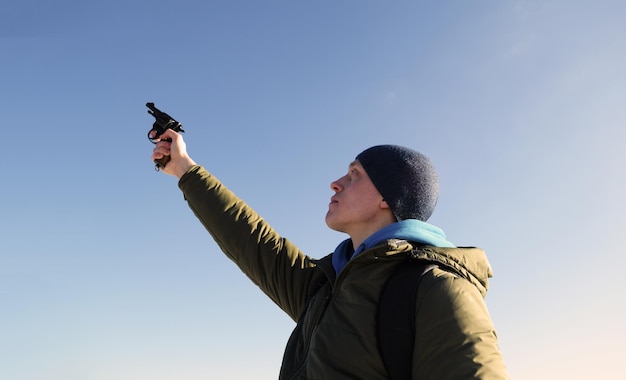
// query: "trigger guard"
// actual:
[[154, 139]]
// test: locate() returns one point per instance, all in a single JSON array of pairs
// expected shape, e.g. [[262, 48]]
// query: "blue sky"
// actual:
[[106, 274]]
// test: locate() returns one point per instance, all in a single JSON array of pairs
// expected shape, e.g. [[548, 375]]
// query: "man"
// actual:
[[382, 204]]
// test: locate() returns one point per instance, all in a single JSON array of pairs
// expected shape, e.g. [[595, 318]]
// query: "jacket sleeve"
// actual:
[[273, 263], [455, 337]]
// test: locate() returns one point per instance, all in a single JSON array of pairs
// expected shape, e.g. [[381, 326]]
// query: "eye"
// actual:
[[353, 173]]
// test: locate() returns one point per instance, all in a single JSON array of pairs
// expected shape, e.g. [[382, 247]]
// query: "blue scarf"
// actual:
[[408, 229]]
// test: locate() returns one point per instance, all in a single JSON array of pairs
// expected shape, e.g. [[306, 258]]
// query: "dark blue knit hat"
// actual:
[[406, 179]]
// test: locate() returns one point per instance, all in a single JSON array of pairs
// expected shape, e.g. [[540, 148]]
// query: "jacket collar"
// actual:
[[408, 229]]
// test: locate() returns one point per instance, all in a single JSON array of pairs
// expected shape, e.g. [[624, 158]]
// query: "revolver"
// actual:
[[162, 123]]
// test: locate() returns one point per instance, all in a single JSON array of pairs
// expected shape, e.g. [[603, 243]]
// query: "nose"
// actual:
[[336, 186]]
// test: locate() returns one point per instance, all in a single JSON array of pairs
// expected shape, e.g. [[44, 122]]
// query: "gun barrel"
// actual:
[[153, 110]]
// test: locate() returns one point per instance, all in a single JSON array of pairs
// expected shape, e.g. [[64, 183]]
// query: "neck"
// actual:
[[359, 236]]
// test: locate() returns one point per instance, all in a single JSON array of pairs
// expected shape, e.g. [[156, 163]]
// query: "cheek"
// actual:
[[365, 205], [371, 196]]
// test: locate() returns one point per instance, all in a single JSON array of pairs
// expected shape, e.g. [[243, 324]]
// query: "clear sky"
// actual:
[[105, 274]]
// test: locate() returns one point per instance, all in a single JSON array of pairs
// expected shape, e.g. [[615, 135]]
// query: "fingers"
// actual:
[[161, 149], [170, 134]]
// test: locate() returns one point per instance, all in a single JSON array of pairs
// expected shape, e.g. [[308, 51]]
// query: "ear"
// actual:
[[383, 204]]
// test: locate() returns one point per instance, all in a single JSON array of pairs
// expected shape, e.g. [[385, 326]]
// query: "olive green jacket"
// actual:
[[335, 337]]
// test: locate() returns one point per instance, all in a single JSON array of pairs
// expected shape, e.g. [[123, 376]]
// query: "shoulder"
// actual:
[[455, 336], [451, 310]]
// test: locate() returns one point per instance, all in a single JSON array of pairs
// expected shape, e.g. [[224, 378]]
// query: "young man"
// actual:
[[382, 204]]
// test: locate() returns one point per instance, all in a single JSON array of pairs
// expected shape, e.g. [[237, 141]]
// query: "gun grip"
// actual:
[[161, 162]]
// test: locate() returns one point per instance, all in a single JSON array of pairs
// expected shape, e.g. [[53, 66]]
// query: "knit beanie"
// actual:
[[406, 179]]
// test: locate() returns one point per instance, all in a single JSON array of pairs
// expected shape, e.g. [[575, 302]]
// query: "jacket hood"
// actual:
[[469, 263]]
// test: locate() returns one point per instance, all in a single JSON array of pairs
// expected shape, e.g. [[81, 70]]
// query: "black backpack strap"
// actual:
[[396, 317]]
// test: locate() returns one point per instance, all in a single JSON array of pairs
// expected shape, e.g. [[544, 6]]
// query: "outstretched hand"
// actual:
[[180, 161]]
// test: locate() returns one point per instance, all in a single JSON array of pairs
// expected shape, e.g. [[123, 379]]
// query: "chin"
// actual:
[[333, 225], [329, 221]]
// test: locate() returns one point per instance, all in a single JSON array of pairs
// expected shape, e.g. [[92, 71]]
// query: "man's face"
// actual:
[[357, 206]]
